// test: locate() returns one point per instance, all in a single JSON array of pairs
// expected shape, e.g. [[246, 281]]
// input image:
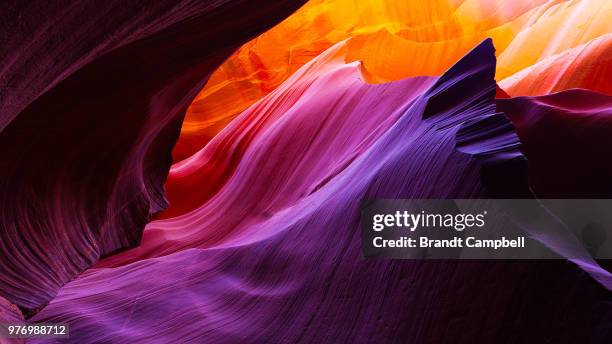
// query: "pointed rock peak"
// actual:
[[481, 57], [469, 82]]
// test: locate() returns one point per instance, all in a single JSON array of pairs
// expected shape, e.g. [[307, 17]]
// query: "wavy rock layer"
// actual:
[[285, 264], [287, 147], [93, 100], [587, 66], [399, 39]]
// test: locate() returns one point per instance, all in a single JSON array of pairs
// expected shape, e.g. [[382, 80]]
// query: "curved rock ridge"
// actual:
[[396, 40], [91, 106], [299, 138], [326, 86], [287, 261]]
